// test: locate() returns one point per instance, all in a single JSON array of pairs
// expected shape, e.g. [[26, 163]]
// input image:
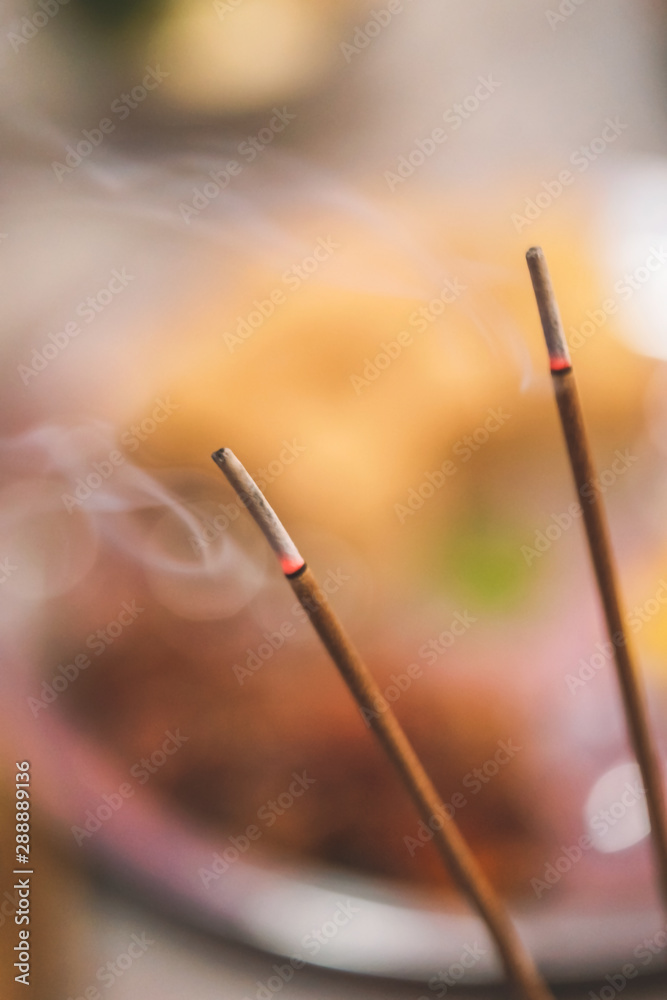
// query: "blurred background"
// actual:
[[297, 229]]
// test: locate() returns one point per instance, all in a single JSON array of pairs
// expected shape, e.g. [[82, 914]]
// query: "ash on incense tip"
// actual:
[[291, 560], [559, 353]]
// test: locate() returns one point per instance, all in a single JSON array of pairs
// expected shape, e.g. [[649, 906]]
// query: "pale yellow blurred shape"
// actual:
[[259, 52]]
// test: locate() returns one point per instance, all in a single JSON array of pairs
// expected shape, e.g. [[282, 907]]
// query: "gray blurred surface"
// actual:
[[179, 965]]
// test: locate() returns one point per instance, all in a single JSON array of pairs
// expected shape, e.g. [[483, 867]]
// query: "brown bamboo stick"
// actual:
[[599, 544], [519, 967]]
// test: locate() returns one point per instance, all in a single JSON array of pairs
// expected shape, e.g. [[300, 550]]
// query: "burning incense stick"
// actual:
[[518, 964], [597, 532]]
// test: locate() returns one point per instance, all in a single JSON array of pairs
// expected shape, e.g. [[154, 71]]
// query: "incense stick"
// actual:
[[597, 532], [518, 964]]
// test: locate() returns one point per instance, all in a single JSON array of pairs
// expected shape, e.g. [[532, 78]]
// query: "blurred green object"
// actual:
[[481, 559], [116, 16]]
